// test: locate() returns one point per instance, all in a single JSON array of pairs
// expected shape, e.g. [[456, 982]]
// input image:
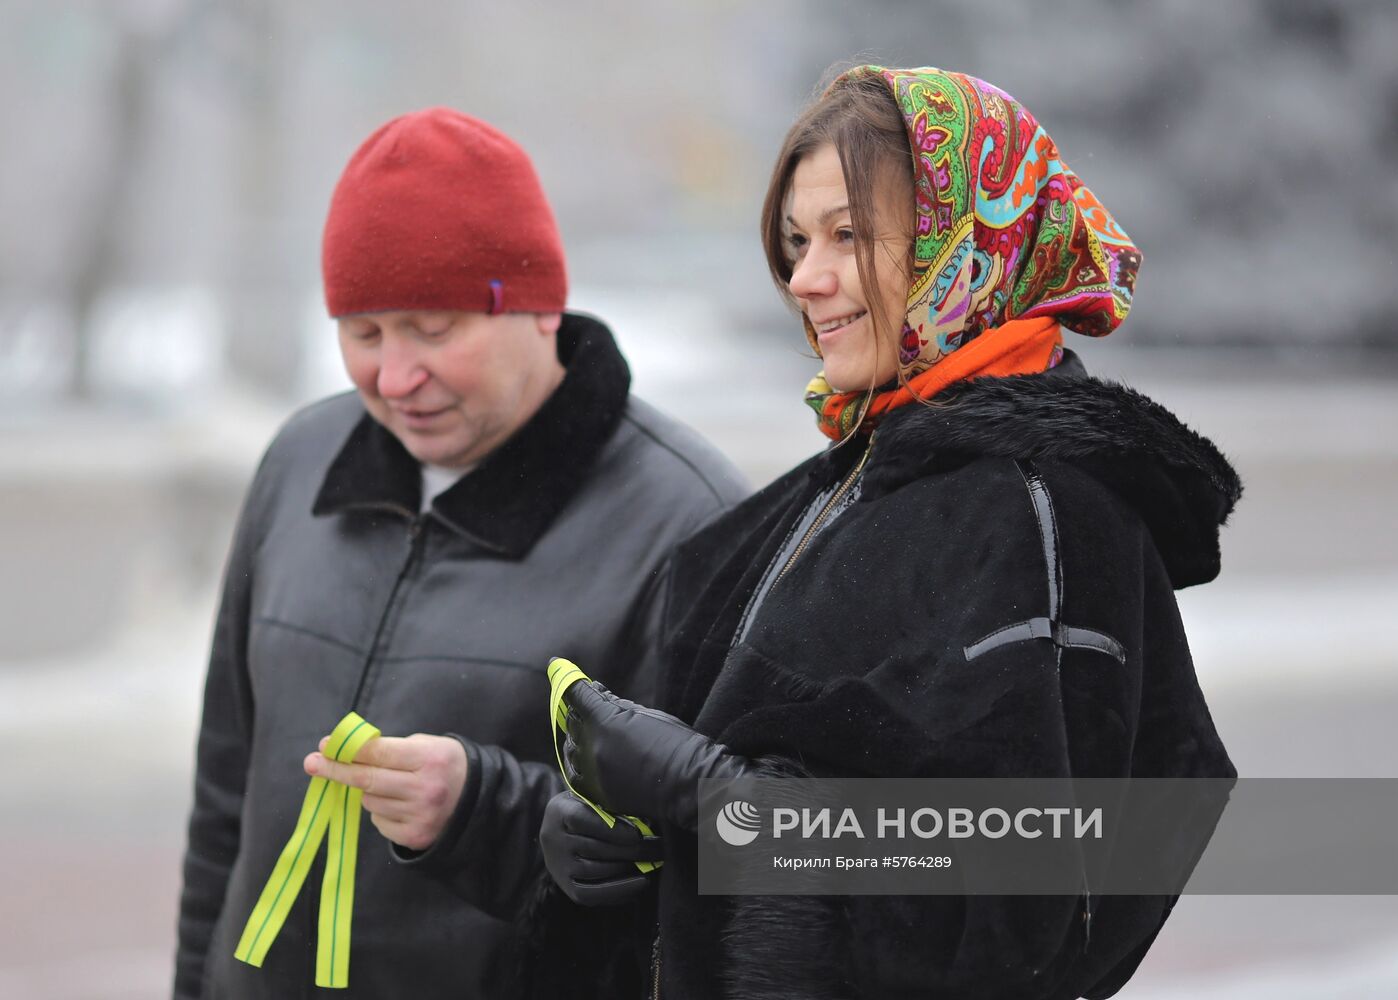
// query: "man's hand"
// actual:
[[411, 784]]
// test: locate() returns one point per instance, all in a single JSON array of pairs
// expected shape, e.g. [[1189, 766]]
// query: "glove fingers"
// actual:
[[610, 893], [649, 849], [570, 753], [581, 820], [588, 700], [635, 845], [597, 840], [572, 770], [640, 849], [594, 871]]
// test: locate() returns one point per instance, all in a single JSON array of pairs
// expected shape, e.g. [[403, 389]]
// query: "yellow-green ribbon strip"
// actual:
[[329, 812], [563, 674]]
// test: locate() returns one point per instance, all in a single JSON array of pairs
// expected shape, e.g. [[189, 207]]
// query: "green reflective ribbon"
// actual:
[[330, 812], [563, 674]]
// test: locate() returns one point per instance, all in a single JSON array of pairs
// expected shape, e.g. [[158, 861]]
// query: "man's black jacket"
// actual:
[[340, 595]]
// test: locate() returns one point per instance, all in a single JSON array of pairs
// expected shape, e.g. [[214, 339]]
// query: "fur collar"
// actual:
[[510, 500], [1179, 483]]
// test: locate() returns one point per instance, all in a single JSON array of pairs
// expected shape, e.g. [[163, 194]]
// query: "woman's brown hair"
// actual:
[[861, 120]]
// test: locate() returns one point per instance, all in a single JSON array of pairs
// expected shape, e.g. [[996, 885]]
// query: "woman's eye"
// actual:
[[844, 235], [795, 246]]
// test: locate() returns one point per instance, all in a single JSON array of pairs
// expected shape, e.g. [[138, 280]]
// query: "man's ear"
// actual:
[[549, 322]]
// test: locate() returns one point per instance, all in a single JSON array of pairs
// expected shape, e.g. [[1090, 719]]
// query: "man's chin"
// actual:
[[428, 449], [443, 458], [428, 456]]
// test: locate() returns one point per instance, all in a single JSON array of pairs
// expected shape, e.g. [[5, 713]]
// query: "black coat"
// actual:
[[998, 602], [339, 594]]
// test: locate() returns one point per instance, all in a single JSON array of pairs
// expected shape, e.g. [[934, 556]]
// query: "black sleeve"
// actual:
[[489, 851], [221, 762]]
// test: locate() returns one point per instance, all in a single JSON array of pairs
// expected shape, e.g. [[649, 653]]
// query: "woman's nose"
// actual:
[[813, 276]]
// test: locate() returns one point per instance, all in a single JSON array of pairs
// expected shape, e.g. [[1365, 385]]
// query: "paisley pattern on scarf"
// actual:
[[1004, 230]]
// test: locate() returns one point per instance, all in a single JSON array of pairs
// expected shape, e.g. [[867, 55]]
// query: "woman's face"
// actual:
[[820, 241]]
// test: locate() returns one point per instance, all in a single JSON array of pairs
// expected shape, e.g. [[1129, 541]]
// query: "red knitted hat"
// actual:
[[438, 210]]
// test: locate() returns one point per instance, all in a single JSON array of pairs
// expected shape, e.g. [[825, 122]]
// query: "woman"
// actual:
[[975, 581]]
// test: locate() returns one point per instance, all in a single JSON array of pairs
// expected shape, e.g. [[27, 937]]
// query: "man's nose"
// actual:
[[401, 368], [813, 276]]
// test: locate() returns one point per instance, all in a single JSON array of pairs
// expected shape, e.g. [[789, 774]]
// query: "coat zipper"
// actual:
[[415, 536], [1086, 917], [414, 547], [655, 967], [830, 505]]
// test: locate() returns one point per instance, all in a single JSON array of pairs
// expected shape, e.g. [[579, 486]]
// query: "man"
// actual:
[[416, 552]]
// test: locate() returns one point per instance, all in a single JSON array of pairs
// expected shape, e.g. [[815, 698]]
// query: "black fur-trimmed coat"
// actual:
[[997, 603]]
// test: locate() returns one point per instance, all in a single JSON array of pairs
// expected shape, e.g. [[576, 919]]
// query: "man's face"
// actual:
[[451, 386]]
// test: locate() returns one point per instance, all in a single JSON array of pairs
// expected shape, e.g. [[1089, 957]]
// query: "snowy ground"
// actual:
[[114, 526]]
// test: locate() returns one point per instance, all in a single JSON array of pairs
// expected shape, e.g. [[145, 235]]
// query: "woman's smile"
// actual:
[[829, 328]]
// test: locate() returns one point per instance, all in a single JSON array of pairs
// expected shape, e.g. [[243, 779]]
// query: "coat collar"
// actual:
[[1177, 480], [513, 496]]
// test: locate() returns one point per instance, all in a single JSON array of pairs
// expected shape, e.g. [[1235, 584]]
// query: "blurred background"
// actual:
[[166, 169]]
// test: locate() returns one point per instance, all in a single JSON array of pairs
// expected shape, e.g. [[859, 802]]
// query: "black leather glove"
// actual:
[[594, 864], [638, 761]]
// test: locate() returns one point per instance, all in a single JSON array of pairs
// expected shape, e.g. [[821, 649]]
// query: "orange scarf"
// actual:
[[1019, 347]]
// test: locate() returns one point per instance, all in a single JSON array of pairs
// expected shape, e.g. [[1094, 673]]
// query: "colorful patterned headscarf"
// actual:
[[1004, 232]]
